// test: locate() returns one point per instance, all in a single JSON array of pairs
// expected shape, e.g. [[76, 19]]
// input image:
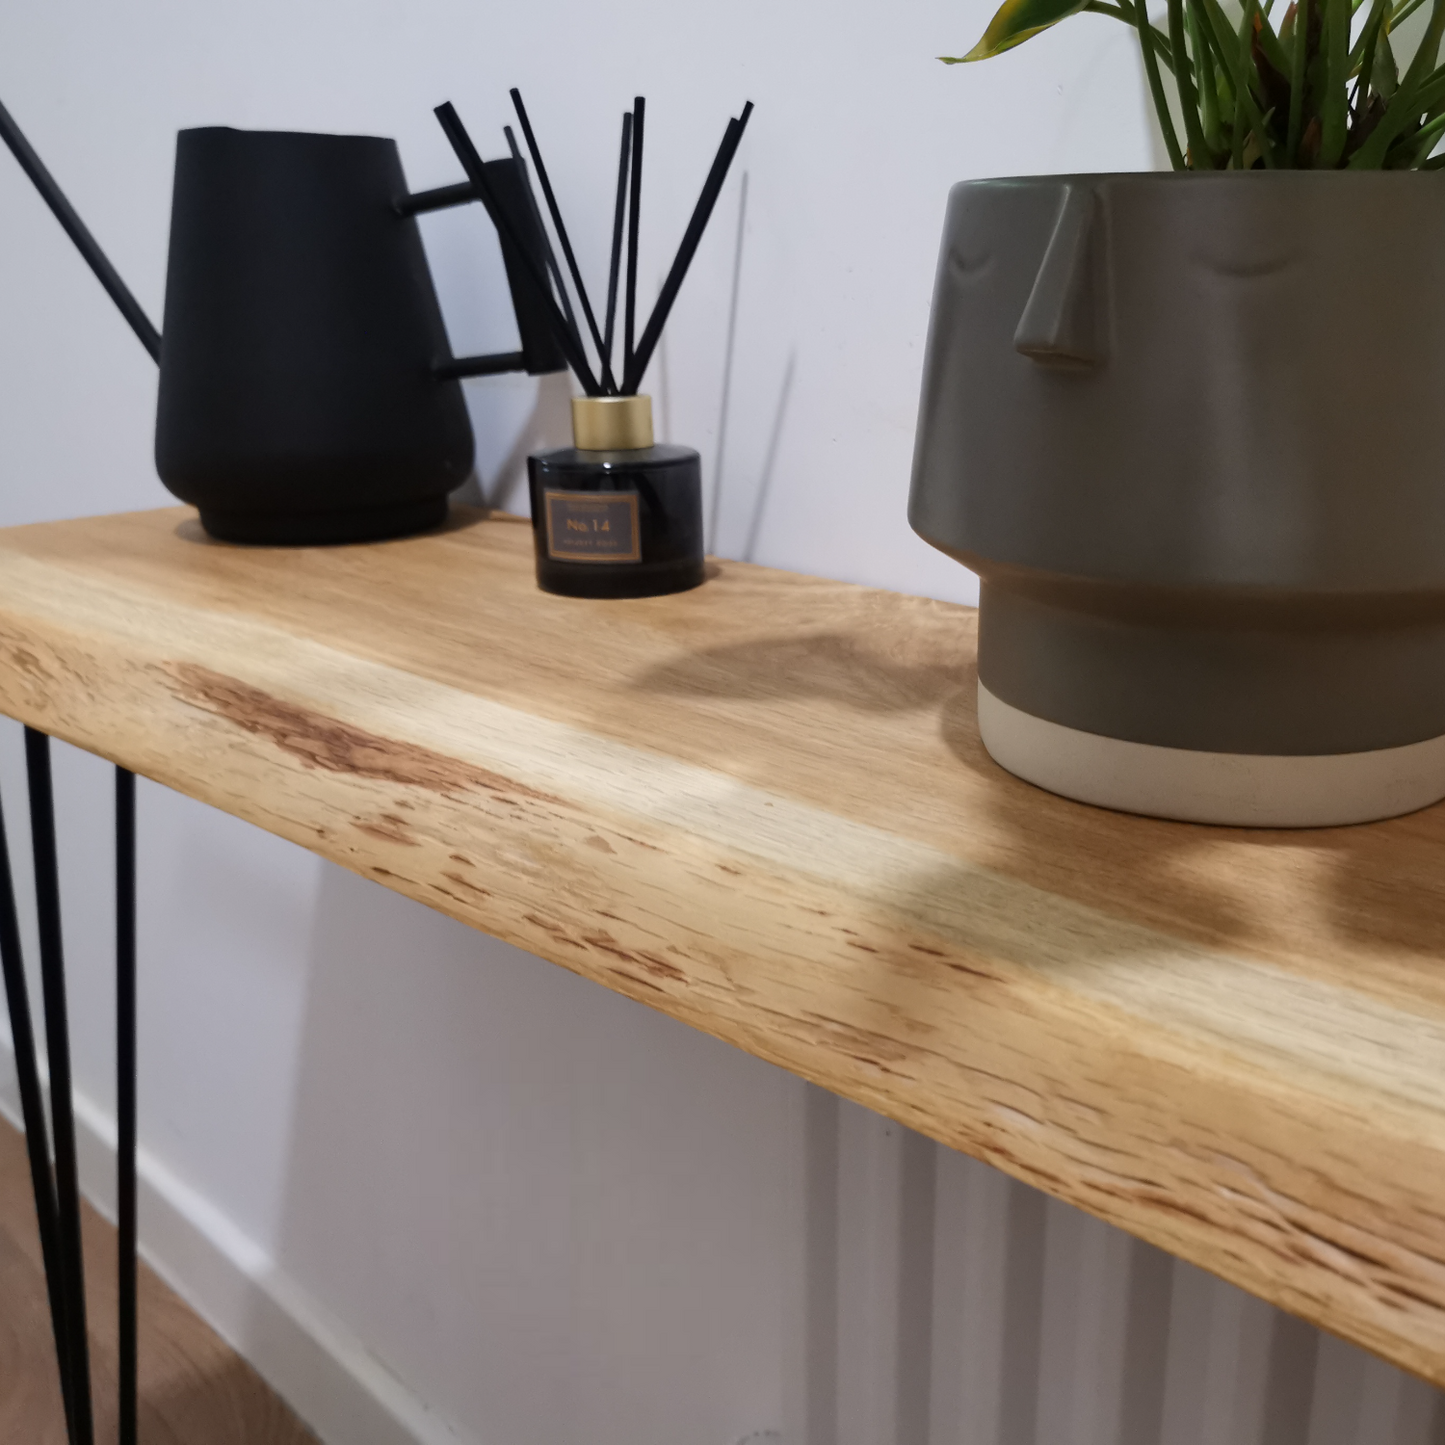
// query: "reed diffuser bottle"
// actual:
[[616, 515], [613, 515]]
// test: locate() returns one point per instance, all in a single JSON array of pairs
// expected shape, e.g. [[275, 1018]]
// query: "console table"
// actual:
[[762, 808]]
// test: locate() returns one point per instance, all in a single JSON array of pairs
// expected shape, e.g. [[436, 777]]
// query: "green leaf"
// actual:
[[1386, 78], [1362, 53], [1379, 9], [1270, 43], [1367, 109], [1423, 61], [1015, 22], [1415, 94]]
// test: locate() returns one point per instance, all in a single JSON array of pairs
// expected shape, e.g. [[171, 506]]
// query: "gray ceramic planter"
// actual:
[[1186, 429]]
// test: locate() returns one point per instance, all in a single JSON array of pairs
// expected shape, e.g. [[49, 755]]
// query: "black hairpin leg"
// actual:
[[57, 1193], [126, 1092], [32, 1112], [68, 1280]]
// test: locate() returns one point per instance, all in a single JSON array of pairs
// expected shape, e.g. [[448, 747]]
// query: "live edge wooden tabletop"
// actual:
[[762, 807]]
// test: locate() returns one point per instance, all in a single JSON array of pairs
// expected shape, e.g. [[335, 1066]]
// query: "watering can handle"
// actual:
[[540, 352]]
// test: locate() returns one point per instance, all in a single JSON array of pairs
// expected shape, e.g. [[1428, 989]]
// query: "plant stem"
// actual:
[[1336, 87], [1156, 85], [1370, 37], [1240, 128], [1365, 45], [1403, 12], [1234, 52], [1231, 101], [1297, 73], [1423, 141], [1208, 83], [1118, 12], [1199, 157]]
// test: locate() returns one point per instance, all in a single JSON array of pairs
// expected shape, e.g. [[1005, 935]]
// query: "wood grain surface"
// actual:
[[762, 807], [194, 1389]]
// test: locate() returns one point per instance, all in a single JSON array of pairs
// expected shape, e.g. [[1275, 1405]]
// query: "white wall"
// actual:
[[382, 1148]]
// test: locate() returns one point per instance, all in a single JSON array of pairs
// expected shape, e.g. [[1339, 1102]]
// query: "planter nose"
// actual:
[[1065, 322]]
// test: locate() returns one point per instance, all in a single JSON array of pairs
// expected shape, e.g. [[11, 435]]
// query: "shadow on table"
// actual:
[[1380, 886], [1377, 884], [834, 666]]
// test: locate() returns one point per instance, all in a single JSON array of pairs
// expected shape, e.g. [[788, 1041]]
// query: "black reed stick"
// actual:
[[712, 188], [607, 382], [639, 115], [85, 243], [552, 266], [617, 235], [461, 142]]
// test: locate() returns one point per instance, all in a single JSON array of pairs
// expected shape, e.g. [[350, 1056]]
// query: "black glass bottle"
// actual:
[[614, 515]]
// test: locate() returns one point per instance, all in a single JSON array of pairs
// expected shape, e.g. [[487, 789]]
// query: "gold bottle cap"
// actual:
[[611, 423]]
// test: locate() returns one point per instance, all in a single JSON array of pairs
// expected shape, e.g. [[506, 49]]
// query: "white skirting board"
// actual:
[[342, 1391]]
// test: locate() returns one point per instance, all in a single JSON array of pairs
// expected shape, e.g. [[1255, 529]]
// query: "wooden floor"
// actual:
[[195, 1390]]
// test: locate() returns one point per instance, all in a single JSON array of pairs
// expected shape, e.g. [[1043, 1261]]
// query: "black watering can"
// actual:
[[307, 390]]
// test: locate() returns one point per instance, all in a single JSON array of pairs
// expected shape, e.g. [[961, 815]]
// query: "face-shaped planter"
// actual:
[[1184, 428]]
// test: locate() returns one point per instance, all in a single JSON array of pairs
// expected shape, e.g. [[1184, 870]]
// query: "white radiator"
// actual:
[[950, 1305]]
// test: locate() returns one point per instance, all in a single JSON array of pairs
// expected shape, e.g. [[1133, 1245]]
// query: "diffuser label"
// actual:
[[593, 527]]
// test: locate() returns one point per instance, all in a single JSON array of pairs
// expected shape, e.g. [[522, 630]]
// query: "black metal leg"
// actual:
[[125, 1066], [32, 1112], [76, 1352], [57, 1194]]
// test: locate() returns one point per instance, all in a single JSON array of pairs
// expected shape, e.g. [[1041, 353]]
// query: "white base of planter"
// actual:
[[1242, 789]]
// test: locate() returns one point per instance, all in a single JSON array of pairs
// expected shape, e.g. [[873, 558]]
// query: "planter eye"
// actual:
[[1063, 323]]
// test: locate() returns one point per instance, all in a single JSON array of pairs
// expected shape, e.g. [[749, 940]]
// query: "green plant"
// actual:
[[1321, 92]]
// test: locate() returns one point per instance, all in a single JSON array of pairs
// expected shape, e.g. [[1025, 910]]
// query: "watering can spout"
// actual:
[[539, 353], [85, 243]]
